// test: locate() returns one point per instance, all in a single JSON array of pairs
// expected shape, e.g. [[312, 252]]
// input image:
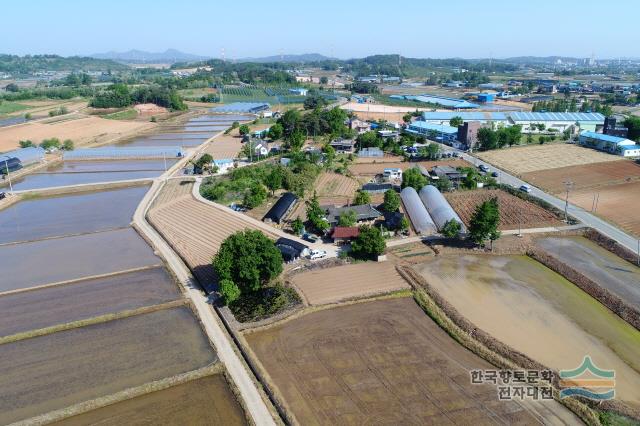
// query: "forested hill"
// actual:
[[29, 64]]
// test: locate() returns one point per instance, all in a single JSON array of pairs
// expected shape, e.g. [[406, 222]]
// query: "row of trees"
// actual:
[[50, 143], [119, 95], [294, 127], [491, 139]]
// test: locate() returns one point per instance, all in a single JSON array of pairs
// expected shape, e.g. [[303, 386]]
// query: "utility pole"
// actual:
[[6, 164], [568, 186]]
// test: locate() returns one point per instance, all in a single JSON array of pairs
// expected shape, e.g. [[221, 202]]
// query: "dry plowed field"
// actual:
[[205, 401], [513, 210], [372, 169], [585, 176], [619, 204], [335, 188], [224, 146], [381, 362], [195, 230], [81, 131], [533, 158], [54, 371], [346, 282]]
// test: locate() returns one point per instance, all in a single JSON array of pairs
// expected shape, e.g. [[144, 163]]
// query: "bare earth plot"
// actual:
[[205, 401], [585, 176], [338, 188], [195, 230], [532, 158], [50, 306], [50, 372], [331, 285], [382, 362], [619, 204], [514, 211], [371, 169], [81, 131]]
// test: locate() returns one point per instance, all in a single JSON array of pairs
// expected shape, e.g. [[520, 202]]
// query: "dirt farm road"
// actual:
[[254, 404], [579, 213]]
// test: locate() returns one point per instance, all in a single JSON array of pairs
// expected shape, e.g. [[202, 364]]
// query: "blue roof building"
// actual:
[[250, 107], [453, 103], [611, 144], [443, 117], [438, 132]]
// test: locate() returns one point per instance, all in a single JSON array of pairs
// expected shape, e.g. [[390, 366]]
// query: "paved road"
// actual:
[[579, 213], [253, 401]]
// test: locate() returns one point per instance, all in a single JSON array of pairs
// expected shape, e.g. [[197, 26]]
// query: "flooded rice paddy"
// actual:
[[46, 307], [538, 312], [46, 217], [205, 401], [603, 267], [91, 171], [51, 372], [60, 259]]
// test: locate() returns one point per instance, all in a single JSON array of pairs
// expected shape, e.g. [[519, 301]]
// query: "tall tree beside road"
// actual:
[[484, 222]]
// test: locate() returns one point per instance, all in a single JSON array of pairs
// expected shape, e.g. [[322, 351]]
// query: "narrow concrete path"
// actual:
[[243, 380]]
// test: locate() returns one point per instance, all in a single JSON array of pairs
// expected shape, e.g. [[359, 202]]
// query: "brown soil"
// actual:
[[81, 131], [333, 188], [331, 285], [382, 361], [514, 211], [616, 203], [594, 176], [50, 372], [204, 401]]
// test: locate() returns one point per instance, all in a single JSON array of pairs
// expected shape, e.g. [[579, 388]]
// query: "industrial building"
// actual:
[[559, 121], [443, 117], [612, 128], [236, 107], [364, 213], [611, 144], [438, 207], [439, 132], [418, 215], [453, 103], [281, 208]]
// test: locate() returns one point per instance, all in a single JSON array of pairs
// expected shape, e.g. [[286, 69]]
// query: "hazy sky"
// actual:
[[422, 28]]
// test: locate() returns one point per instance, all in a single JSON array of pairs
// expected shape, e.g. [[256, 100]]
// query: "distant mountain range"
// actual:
[[169, 56], [305, 57]]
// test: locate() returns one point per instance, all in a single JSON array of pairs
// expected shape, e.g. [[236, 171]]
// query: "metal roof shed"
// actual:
[[281, 208], [418, 214], [438, 207]]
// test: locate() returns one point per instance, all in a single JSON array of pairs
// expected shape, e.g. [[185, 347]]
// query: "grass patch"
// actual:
[[608, 418], [7, 107], [264, 303], [127, 114]]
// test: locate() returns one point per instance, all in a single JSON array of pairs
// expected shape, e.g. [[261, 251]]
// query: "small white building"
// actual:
[[392, 173], [223, 165], [261, 149], [611, 144]]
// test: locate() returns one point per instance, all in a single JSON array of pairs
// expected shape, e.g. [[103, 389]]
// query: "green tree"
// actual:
[[329, 155], [274, 179], [50, 143], [407, 118], [203, 163], [12, 87], [275, 132], [633, 124], [348, 218], [404, 224], [451, 228], [361, 198], [244, 130], [248, 259], [413, 177], [391, 201], [295, 140], [369, 243], [67, 145], [456, 121], [26, 144], [484, 222], [324, 80], [487, 139], [297, 226], [229, 290], [315, 214], [256, 195], [443, 184]]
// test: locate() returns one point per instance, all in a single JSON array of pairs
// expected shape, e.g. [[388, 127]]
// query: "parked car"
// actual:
[[455, 154], [494, 174], [483, 168], [310, 237], [3, 195], [317, 254], [525, 188]]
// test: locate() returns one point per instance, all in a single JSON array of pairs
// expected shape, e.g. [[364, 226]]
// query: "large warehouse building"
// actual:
[[453, 103], [559, 121], [612, 144], [439, 132], [443, 117]]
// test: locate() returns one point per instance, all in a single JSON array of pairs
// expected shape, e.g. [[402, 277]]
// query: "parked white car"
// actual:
[[525, 188], [317, 254]]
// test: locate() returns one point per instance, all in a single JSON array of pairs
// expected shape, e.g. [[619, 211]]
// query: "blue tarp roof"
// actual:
[[557, 116], [433, 127], [440, 100], [603, 137], [466, 116]]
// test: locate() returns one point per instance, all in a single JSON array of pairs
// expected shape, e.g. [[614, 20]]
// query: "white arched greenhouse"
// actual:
[[419, 216], [438, 207]]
